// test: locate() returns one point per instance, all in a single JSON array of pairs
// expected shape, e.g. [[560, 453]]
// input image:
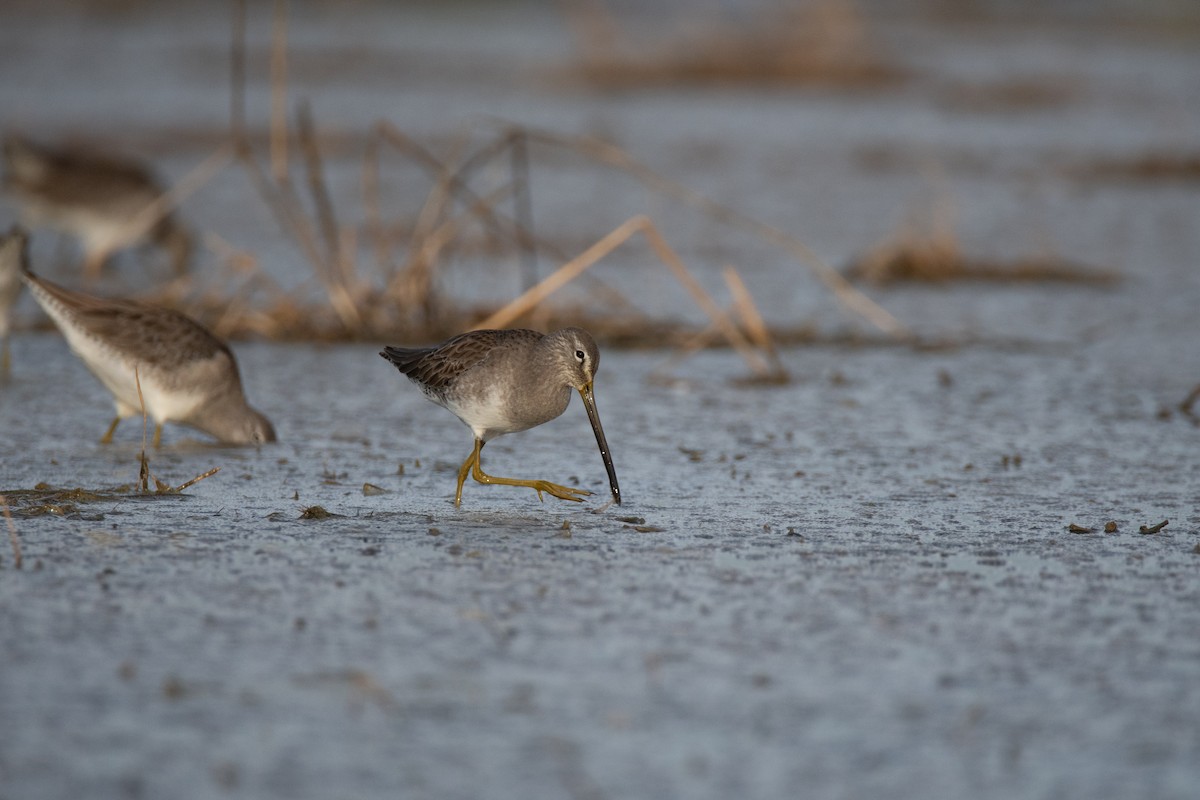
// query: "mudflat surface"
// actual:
[[858, 584], [862, 581]]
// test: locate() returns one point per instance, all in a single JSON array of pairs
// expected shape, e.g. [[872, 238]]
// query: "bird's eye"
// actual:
[[579, 355]]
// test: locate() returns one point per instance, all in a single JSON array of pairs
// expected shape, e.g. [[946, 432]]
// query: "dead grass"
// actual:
[[1152, 167], [1009, 96], [929, 252], [467, 209], [45, 499], [825, 43]]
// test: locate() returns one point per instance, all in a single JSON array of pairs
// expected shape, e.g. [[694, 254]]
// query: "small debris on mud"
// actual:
[[1153, 528], [316, 512], [370, 490], [1110, 527], [1073, 528]]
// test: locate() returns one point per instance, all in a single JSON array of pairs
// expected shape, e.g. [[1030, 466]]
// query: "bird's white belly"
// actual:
[[118, 376], [487, 419]]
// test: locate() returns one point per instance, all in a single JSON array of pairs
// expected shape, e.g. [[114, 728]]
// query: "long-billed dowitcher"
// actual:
[[187, 374], [500, 382], [100, 199], [12, 255]]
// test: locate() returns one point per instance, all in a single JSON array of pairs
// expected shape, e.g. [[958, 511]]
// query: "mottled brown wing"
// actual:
[[150, 334], [436, 368]]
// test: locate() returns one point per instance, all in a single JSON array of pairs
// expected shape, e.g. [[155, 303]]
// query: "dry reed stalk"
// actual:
[[380, 238], [457, 179], [195, 480], [144, 463], [279, 195], [191, 182], [846, 294], [743, 304], [411, 285], [346, 262], [13, 539], [416, 282], [279, 125], [605, 245], [327, 221], [334, 268], [523, 209], [144, 474]]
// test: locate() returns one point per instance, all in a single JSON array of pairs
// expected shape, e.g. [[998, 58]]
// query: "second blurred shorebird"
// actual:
[[187, 374], [500, 382], [102, 200]]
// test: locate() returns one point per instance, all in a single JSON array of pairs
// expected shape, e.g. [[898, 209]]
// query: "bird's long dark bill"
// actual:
[[589, 403]]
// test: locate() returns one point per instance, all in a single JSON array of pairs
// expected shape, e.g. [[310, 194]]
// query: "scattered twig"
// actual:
[[195, 480], [1153, 528]]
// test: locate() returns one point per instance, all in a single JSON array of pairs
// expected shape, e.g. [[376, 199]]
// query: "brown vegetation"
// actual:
[[1157, 166], [465, 211], [931, 253], [817, 44]]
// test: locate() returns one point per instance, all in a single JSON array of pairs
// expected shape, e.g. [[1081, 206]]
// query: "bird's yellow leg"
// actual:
[[108, 434], [464, 469], [157, 436], [561, 492]]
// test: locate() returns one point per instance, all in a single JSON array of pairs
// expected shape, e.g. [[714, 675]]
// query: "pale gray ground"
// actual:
[[857, 585]]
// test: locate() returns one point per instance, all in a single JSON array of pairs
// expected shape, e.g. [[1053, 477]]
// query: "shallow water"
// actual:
[[861, 583]]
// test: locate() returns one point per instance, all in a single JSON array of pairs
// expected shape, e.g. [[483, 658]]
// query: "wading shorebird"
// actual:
[[500, 382], [101, 200], [187, 374]]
